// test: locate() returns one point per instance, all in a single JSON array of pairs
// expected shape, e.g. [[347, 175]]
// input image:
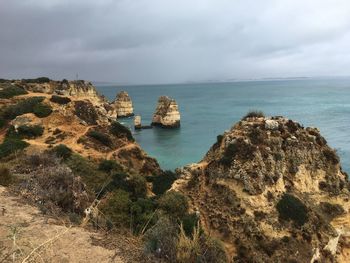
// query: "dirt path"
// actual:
[[25, 231]]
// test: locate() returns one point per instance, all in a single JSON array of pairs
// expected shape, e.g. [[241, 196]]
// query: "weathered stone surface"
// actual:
[[137, 122], [167, 113], [239, 185], [123, 105]]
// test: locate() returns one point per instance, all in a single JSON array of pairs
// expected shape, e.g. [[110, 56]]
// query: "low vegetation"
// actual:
[[8, 91], [30, 131], [161, 183], [62, 151], [42, 110], [5, 176], [290, 207], [20, 108], [254, 114], [100, 137], [11, 145], [120, 130], [60, 99], [37, 80]]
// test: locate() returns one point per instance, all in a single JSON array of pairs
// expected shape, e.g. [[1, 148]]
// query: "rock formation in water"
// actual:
[[167, 113], [137, 122], [123, 105], [272, 191]]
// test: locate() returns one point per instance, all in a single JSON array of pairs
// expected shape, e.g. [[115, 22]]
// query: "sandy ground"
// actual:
[[26, 233]]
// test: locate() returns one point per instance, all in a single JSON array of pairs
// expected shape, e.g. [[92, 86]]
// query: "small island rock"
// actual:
[[167, 113], [123, 104]]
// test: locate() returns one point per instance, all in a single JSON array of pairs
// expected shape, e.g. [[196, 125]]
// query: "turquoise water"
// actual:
[[209, 109]]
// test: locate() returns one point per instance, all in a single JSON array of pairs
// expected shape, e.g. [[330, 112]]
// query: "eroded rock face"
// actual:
[[167, 113], [262, 189], [123, 105]]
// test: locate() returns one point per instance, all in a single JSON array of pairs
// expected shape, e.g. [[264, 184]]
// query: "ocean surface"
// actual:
[[211, 108]]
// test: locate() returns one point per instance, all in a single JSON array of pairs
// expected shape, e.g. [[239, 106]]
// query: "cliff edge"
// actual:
[[272, 191]]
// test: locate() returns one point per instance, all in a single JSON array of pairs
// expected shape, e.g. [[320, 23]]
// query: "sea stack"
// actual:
[[167, 113], [137, 122], [123, 104]]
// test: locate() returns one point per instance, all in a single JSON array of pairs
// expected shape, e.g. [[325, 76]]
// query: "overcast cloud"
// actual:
[[163, 41]]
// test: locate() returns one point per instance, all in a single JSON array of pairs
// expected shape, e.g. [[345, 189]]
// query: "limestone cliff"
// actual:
[[80, 119], [123, 105], [167, 113], [272, 191]]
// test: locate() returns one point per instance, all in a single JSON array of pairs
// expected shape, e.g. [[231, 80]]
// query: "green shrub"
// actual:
[[109, 166], [30, 131], [138, 186], [189, 222], [143, 215], [117, 208], [10, 146], [254, 113], [42, 110], [163, 182], [5, 176], [174, 204], [101, 137], [60, 100], [331, 156], [120, 130], [62, 151], [162, 239], [291, 208], [22, 107], [238, 149], [88, 171], [10, 91], [37, 80]]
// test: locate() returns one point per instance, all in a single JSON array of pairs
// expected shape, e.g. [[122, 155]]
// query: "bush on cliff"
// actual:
[[290, 207], [162, 182], [9, 91], [37, 80], [109, 166], [42, 110], [22, 107], [30, 131], [11, 145], [101, 137], [5, 176], [62, 151], [238, 149], [117, 208], [138, 186], [86, 111], [120, 130], [254, 114], [60, 100], [174, 204]]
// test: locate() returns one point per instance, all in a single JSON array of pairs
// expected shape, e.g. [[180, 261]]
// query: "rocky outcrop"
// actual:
[[167, 113], [272, 191], [123, 105], [137, 122]]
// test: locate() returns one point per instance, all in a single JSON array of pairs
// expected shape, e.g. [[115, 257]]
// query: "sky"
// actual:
[[172, 41]]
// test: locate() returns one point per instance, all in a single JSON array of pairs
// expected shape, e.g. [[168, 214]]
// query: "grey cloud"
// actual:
[[153, 41]]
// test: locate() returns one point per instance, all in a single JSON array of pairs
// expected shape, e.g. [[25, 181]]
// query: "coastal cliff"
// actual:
[[272, 191], [123, 105], [167, 113], [76, 116]]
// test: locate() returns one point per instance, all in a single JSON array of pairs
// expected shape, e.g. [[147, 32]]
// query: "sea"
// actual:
[[208, 109]]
